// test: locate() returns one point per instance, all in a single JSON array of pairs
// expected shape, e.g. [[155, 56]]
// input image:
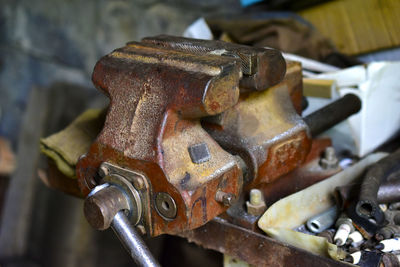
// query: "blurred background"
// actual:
[[48, 49]]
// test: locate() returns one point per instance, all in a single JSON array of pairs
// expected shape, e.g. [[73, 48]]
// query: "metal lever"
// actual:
[[330, 115], [132, 241], [104, 207]]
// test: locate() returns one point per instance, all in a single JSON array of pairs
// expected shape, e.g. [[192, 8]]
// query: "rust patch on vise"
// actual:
[[265, 129]]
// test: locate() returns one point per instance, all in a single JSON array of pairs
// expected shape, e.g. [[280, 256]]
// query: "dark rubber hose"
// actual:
[[367, 205]]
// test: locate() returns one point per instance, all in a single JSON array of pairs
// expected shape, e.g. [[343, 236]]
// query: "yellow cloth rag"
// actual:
[[66, 146]]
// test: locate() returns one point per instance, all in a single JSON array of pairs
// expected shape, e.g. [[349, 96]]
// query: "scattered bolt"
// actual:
[[344, 227], [329, 160], [355, 239], [387, 232], [389, 245], [328, 234], [256, 206], [354, 258]]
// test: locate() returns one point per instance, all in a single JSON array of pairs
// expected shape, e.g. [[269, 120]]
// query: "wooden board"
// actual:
[[358, 26]]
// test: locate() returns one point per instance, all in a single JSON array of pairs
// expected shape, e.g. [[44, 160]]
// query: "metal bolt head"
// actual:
[[140, 228], [225, 198], [329, 159], [138, 183], [228, 199], [330, 153], [256, 206], [103, 171], [256, 197]]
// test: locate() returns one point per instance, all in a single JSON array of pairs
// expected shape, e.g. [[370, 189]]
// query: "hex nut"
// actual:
[[255, 210], [329, 159], [256, 206]]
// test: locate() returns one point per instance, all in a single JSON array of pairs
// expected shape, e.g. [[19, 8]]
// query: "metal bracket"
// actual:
[[142, 185]]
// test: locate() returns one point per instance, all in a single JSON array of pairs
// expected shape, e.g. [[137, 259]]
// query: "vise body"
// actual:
[[191, 123]]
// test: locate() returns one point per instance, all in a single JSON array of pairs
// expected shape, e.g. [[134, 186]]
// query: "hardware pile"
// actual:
[[366, 220]]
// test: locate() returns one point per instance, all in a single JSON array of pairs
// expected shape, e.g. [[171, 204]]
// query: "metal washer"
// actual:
[[165, 206]]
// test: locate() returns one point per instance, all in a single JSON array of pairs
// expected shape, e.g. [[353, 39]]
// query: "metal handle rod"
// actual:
[[330, 115], [132, 241]]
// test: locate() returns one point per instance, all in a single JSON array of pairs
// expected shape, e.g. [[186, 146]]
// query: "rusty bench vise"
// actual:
[[191, 125]]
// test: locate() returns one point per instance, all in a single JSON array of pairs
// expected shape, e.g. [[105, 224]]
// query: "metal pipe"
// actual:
[[132, 241], [322, 221], [330, 115]]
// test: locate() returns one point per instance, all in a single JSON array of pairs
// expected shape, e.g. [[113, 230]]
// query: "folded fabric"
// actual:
[[66, 146]]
